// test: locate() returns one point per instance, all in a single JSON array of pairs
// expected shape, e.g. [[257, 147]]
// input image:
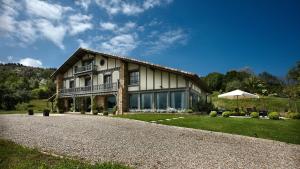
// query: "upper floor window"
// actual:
[[107, 79], [102, 62], [134, 78], [72, 84]]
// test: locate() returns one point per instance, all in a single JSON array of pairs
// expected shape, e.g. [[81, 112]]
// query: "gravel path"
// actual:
[[145, 145]]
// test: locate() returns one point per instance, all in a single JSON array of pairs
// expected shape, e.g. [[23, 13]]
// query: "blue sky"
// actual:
[[197, 36]]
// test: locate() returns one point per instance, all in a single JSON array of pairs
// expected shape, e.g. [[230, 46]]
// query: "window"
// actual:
[[71, 84], [161, 100], [146, 101], [111, 102], [102, 62], [178, 100], [87, 81], [134, 78], [86, 62], [107, 79], [133, 101]]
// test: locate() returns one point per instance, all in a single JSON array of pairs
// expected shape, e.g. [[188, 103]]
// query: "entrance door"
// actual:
[[111, 102]]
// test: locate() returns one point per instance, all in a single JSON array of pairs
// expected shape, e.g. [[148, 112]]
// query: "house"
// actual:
[[89, 77]]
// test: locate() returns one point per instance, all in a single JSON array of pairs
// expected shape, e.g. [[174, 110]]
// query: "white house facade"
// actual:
[[129, 84]]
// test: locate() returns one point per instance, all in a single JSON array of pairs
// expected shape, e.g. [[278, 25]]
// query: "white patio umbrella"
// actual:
[[238, 94]]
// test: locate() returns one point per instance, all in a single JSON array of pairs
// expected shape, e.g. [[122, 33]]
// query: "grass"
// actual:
[[270, 103], [38, 105], [13, 156], [281, 130]]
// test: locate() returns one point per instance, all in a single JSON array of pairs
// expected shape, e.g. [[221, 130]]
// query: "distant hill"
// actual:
[[19, 83]]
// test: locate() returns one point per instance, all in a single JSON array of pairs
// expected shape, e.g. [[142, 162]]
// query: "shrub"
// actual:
[[30, 112], [273, 116], [189, 111], [213, 114], [254, 115], [226, 113], [242, 113], [46, 112], [293, 115], [100, 109], [105, 113]]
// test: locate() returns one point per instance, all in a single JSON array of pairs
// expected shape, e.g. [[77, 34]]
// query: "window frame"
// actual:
[[136, 77]]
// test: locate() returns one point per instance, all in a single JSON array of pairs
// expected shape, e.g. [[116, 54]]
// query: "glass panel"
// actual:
[[107, 79], [177, 100], [146, 101], [87, 81], [111, 102], [133, 101], [134, 78], [161, 100], [72, 84]]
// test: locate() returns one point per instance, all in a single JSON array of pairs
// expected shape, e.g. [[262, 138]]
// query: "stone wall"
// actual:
[[122, 91]]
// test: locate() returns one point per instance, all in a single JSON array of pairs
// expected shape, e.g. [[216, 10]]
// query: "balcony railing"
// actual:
[[109, 87], [87, 68]]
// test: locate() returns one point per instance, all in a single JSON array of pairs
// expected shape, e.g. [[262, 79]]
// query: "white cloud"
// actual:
[[84, 44], [127, 27], [129, 8], [31, 62], [51, 32], [166, 39], [108, 26], [83, 3], [120, 44], [45, 10], [79, 23]]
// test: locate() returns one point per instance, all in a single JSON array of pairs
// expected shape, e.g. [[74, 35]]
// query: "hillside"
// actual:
[[20, 84]]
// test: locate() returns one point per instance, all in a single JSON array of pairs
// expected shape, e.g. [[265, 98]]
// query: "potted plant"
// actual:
[[30, 112], [46, 112]]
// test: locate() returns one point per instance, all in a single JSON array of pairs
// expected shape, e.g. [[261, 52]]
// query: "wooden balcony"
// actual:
[[101, 89], [85, 69]]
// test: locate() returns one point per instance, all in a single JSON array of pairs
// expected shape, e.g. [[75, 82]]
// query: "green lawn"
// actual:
[[281, 130], [13, 156], [38, 105]]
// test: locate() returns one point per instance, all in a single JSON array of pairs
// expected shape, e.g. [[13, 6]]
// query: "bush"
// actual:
[[242, 113], [273, 116], [226, 113], [213, 114], [105, 113], [293, 115], [30, 112], [254, 115], [100, 109], [189, 111], [46, 112]]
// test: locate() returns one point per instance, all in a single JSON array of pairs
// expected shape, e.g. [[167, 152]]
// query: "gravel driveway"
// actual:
[[145, 145]]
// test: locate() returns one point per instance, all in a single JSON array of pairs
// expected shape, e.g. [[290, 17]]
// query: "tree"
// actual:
[[214, 81], [233, 85], [273, 84], [294, 73]]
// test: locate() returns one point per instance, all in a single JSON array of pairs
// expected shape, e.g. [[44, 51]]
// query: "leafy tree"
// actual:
[[233, 85], [274, 84], [294, 73], [214, 81]]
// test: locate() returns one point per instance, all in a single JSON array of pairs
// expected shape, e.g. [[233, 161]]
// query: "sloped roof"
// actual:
[[80, 52]]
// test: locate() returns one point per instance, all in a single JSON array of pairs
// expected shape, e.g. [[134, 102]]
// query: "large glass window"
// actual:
[[133, 101], [146, 101], [161, 100], [134, 78], [178, 100]]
